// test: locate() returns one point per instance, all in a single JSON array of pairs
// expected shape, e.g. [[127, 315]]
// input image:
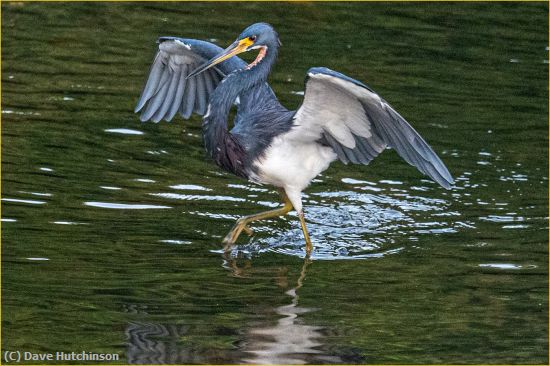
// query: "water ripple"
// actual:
[[145, 180], [110, 188], [191, 187], [17, 200], [174, 241], [498, 218], [124, 206], [196, 197], [37, 193], [506, 266], [357, 226], [124, 131]]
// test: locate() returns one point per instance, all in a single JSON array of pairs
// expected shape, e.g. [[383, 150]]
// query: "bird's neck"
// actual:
[[225, 94], [239, 82]]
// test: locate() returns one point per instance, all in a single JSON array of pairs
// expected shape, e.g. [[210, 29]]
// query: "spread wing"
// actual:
[[358, 124], [167, 91]]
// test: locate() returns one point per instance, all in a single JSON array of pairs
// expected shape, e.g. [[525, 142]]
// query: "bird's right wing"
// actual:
[[167, 91], [358, 124]]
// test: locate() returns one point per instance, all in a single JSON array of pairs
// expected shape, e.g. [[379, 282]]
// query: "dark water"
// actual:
[[111, 228]]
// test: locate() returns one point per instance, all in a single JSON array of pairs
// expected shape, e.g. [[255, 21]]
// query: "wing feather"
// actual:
[[201, 98], [156, 101], [338, 148], [367, 153], [350, 153], [179, 94], [358, 124], [190, 89], [154, 77], [166, 91], [209, 81], [171, 87]]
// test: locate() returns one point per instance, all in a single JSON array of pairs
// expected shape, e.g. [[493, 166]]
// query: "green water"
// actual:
[[403, 271]]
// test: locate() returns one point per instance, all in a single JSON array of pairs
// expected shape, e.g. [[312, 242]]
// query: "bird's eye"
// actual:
[[252, 38]]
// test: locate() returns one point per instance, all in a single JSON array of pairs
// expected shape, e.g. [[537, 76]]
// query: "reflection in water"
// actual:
[[156, 344], [288, 341], [450, 277]]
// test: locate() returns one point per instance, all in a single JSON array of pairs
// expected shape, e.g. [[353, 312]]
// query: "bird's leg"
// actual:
[[242, 223], [309, 246]]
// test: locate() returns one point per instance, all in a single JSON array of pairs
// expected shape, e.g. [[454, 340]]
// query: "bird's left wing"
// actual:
[[358, 124], [167, 91]]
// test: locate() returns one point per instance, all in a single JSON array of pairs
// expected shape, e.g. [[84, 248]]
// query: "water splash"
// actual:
[[356, 225]]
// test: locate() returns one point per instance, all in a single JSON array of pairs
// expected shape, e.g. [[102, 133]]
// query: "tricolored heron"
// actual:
[[339, 119]]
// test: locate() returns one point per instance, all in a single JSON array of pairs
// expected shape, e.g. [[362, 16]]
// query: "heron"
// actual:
[[340, 118]]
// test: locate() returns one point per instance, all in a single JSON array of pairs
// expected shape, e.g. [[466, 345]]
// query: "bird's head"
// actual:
[[260, 36]]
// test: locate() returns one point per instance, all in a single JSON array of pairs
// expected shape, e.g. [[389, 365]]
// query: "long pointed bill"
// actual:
[[234, 49]]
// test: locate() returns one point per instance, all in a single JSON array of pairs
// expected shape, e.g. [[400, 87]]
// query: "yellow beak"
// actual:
[[234, 49]]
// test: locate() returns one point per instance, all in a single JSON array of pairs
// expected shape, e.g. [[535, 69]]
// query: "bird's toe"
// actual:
[[248, 230]]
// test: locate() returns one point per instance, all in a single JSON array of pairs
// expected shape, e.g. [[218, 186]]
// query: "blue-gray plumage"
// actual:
[[340, 118]]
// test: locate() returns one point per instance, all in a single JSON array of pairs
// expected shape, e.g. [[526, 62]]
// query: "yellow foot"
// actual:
[[234, 234], [242, 223], [248, 230]]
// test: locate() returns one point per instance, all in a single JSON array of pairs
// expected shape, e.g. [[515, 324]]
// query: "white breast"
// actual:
[[292, 163]]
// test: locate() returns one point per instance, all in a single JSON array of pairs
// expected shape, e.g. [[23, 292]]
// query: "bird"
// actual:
[[340, 118]]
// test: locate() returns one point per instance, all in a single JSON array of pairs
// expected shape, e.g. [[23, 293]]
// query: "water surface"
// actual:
[[111, 228]]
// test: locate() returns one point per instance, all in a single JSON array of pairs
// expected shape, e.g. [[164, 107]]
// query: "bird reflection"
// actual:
[[286, 340], [289, 341]]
